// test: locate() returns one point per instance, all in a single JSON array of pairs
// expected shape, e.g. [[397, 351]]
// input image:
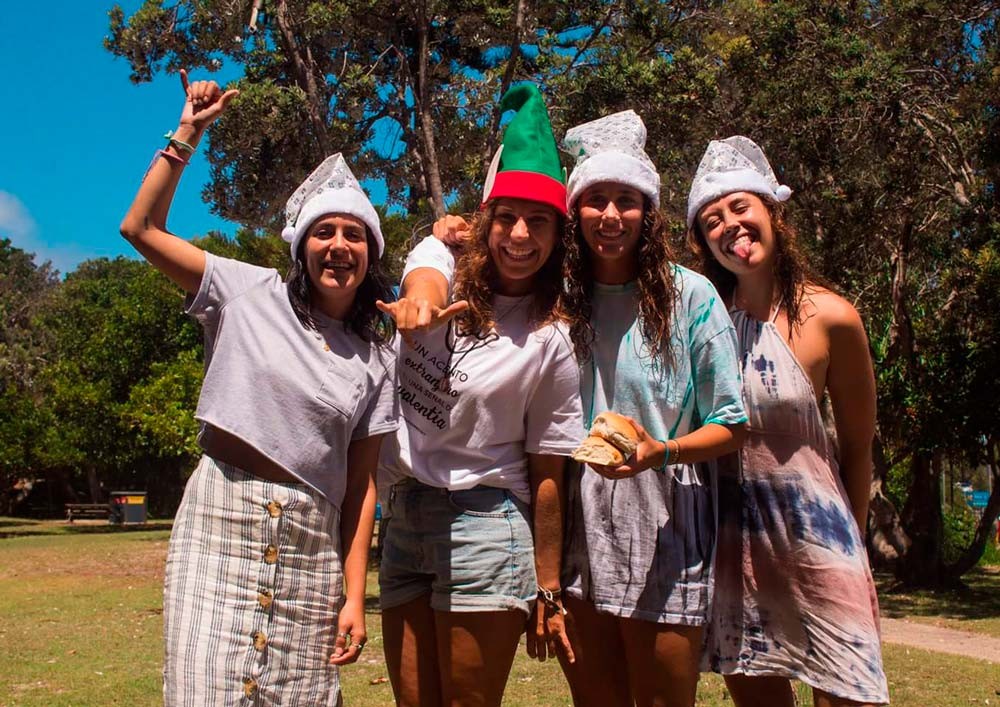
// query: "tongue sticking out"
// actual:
[[742, 247]]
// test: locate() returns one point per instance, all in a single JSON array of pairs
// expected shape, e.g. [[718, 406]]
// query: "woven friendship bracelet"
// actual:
[[179, 144]]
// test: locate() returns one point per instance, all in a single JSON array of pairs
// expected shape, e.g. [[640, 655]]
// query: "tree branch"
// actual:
[[302, 66]]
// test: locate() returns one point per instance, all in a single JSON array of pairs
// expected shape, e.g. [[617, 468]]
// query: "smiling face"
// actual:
[[522, 236], [336, 258], [738, 230], [610, 216]]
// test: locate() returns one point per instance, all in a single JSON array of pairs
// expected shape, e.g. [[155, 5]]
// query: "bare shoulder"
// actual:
[[832, 311]]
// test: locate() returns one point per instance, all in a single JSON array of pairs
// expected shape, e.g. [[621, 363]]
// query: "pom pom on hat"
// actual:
[[330, 189], [734, 164], [611, 149]]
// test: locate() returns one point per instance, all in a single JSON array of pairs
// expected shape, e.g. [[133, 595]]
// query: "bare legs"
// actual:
[[760, 691], [596, 676], [448, 657], [660, 660], [411, 653], [768, 691]]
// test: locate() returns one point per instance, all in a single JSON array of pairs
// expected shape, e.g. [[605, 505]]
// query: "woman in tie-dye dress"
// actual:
[[794, 592]]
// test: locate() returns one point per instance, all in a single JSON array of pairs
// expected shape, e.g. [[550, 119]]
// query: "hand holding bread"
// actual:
[[619, 447]]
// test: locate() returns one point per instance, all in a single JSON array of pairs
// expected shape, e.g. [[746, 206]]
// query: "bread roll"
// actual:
[[612, 440], [595, 450], [617, 430]]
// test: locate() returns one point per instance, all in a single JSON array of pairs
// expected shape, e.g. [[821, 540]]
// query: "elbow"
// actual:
[[739, 436], [130, 228]]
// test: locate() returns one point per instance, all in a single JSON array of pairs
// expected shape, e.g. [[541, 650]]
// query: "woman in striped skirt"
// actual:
[[265, 580]]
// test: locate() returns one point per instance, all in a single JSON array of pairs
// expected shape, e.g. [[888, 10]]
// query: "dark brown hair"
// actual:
[[657, 291], [791, 267], [364, 318]]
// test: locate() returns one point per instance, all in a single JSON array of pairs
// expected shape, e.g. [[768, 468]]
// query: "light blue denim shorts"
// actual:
[[471, 550]]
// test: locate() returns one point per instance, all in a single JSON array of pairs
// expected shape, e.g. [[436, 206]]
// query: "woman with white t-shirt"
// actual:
[[278, 515], [490, 406]]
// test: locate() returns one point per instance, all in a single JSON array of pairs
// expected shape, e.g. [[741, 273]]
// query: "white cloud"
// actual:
[[15, 221], [17, 224]]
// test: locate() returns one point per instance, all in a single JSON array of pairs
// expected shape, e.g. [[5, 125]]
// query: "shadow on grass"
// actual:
[[977, 598], [18, 522], [29, 528]]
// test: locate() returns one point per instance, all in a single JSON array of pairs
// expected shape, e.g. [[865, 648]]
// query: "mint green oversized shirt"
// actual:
[[643, 547]]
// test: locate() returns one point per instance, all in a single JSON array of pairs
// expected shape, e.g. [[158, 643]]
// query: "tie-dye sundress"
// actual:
[[794, 593]]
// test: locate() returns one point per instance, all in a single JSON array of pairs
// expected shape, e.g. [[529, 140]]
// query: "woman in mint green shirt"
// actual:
[[655, 343]]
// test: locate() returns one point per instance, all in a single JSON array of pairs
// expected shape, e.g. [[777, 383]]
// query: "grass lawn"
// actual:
[[975, 607], [80, 624]]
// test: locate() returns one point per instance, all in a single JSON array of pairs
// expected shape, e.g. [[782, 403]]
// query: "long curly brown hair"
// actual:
[[656, 286], [477, 280], [791, 267]]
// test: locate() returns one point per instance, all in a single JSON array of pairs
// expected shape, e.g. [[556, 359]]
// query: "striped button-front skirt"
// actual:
[[253, 586]]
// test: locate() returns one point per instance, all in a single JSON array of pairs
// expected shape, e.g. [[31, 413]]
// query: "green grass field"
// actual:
[[80, 624]]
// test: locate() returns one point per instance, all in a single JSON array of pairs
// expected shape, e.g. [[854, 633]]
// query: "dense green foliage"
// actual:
[[882, 116]]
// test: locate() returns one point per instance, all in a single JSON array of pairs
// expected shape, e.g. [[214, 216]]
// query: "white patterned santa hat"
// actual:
[[330, 189], [611, 149], [730, 165]]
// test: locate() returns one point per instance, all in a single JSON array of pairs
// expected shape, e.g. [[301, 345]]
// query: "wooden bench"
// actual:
[[77, 511]]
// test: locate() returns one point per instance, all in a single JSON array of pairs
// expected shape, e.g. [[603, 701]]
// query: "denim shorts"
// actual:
[[471, 550]]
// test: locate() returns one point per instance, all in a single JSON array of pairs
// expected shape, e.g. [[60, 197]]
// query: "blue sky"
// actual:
[[78, 135]]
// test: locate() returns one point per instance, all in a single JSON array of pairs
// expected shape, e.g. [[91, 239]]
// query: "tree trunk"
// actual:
[[984, 531], [508, 78], [94, 484], [887, 541], [901, 344], [924, 522], [425, 117]]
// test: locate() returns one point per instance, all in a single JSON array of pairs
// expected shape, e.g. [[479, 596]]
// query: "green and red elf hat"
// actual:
[[526, 166]]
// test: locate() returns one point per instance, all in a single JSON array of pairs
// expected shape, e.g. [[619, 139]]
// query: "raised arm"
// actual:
[[850, 380], [145, 224], [427, 286]]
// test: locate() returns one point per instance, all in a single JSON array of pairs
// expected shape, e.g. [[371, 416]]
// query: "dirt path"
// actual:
[[942, 640]]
